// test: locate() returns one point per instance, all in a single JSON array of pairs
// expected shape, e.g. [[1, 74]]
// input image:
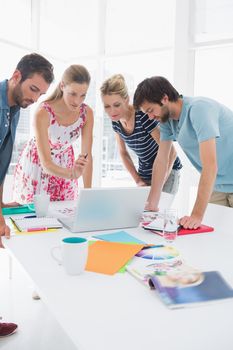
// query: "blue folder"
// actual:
[[22, 209]]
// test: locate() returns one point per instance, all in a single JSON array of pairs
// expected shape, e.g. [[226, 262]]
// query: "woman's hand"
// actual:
[[4, 230], [11, 205], [140, 182], [79, 166]]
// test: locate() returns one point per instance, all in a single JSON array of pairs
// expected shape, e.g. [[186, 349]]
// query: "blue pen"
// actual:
[[30, 216], [153, 246]]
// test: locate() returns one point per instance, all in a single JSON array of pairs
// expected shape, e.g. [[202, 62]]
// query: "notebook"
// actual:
[[107, 208], [35, 224], [202, 229]]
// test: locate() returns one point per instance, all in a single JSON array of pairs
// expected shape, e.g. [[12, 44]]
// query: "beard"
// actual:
[[165, 114], [19, 98]]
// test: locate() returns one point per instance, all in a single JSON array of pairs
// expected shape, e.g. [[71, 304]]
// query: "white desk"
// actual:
[[116, 312]]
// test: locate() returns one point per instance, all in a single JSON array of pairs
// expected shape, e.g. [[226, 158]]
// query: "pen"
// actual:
[[34, 229], [30, 216], [37, 229], [153, 246]]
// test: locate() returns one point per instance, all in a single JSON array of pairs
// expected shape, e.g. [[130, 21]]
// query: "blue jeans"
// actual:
[[172, 184]]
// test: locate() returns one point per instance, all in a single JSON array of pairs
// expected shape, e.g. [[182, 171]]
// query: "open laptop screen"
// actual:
[[110, 208], [107, 208]]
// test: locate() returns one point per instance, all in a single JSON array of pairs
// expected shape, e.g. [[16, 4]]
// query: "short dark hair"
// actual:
[[153, 90], [35, 63]]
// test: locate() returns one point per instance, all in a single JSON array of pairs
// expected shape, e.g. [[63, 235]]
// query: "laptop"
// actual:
[[107, 208]]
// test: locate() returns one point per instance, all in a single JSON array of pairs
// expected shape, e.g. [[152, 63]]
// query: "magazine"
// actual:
[[184, 288], [161, 268], [154, 260]]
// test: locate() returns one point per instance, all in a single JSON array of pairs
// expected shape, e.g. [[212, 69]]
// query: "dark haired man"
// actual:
[[29, 81], [203, 127]]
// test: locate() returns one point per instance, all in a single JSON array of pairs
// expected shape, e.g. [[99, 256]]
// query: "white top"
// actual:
[[117, 312]]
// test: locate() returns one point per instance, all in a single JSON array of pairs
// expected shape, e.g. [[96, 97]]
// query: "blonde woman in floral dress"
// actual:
[[47, 163]]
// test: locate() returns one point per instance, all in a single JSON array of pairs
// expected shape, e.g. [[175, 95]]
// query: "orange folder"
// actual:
[[108, 257]]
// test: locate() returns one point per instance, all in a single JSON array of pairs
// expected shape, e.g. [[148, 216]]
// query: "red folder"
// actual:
[[201, 229], [184, 231]]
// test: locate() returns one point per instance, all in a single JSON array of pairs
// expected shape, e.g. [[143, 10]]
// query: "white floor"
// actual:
[[37, 328]]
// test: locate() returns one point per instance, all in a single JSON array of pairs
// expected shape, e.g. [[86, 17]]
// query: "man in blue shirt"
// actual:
[[30, 80], [203, 128]]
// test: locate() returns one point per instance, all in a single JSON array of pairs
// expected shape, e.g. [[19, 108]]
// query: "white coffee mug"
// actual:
[[41, 204], [74, 252]]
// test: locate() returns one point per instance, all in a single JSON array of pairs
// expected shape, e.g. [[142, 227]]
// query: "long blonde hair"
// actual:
[[115, 85], [73, 74]]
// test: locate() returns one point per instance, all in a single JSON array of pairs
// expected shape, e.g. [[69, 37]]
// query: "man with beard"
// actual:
[[203, 128], [30, 80]]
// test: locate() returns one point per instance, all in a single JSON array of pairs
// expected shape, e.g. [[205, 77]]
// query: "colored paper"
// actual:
[[119, 236], [108, 257]]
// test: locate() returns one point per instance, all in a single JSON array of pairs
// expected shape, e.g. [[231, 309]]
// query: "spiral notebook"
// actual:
[[35, 224]]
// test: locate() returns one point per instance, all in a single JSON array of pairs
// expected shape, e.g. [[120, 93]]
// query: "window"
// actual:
[[15, 23], [135, 26], [68, 28], [213, 20], [9, 58], [214, 74]]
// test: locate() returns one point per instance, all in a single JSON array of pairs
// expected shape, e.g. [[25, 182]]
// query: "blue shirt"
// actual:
[[142, 143], [202, 119], [9, 117]]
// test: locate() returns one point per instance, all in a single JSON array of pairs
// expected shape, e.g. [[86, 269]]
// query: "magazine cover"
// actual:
[[186, 288]]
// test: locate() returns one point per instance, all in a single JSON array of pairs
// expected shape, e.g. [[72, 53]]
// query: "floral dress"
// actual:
[[30, 178]]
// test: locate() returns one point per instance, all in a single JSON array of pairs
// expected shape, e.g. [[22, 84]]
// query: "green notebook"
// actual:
[[22, 209]]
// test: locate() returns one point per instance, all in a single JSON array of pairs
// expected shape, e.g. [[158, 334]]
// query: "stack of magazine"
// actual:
[[178, 285]]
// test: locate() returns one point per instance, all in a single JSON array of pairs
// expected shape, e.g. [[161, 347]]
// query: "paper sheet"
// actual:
[[109, 257], [119, 236]]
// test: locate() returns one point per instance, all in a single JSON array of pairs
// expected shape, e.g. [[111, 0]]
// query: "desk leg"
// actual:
[[10, 267]]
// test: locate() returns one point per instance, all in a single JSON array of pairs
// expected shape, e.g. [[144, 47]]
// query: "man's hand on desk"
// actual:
[[4, 230], [190, 221]]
